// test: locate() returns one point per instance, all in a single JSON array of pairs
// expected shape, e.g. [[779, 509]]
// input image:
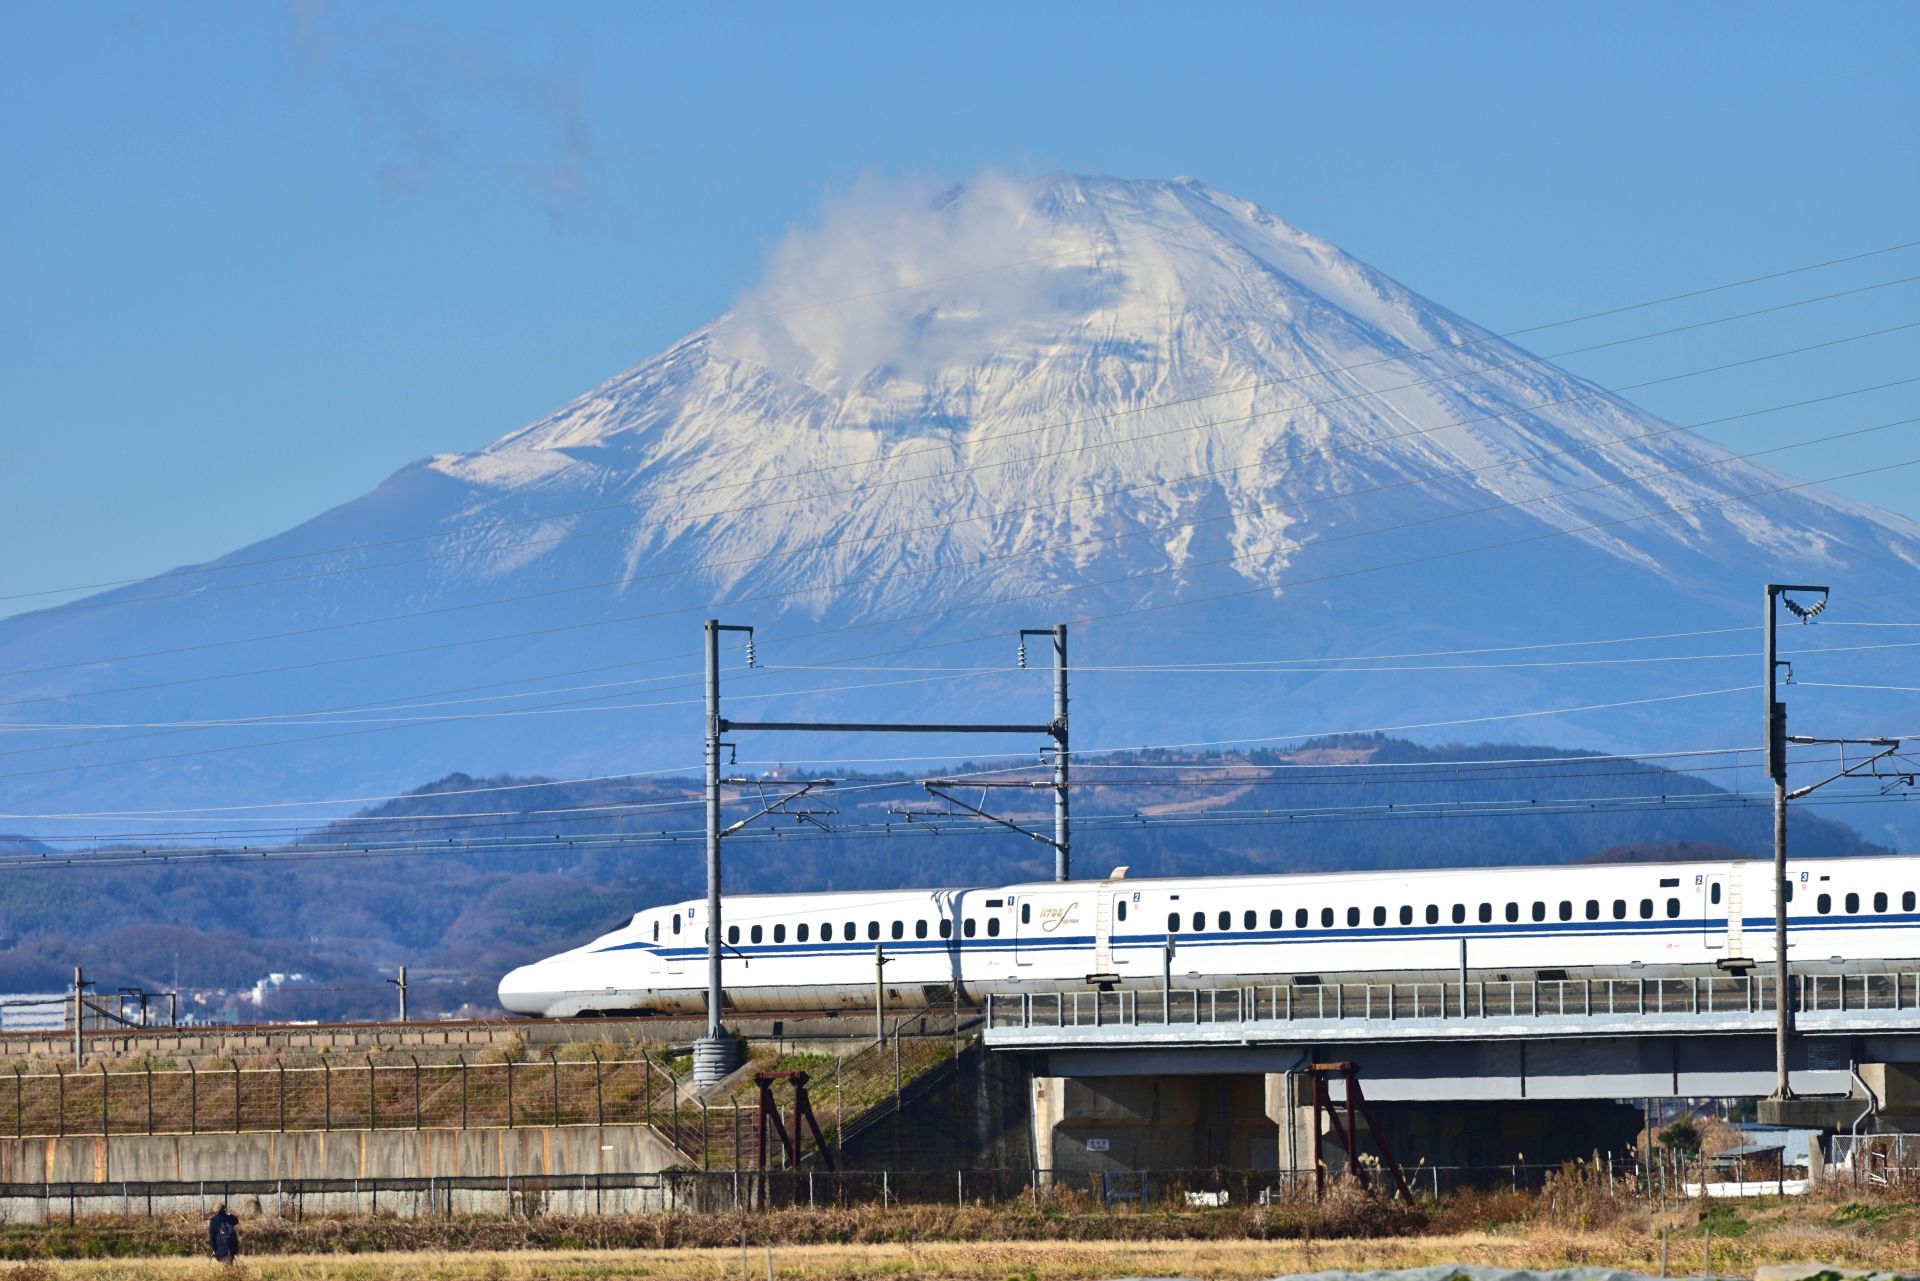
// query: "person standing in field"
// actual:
[[223, 1235]]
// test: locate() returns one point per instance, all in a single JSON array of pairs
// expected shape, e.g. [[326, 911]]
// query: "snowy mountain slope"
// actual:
[[1173, 409]]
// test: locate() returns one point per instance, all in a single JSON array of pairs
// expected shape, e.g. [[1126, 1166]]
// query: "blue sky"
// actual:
[[254, 258]]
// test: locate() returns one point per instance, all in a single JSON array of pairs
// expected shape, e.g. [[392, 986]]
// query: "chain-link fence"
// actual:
[[369, 1095], [714, 1191]]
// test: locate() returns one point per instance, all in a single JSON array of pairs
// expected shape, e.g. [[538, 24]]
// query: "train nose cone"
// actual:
[[526, 990]]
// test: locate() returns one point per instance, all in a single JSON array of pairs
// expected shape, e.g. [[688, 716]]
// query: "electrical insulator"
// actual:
[[1023, 655], [749, 651]]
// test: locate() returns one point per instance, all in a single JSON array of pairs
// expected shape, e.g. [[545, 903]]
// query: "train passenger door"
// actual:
[[1713, 911], [1044, 921]]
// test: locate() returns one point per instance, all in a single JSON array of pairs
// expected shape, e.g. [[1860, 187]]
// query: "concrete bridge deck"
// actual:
[[1518, 1039]]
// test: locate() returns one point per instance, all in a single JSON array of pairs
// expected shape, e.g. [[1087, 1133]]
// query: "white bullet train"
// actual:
[[789, 952]]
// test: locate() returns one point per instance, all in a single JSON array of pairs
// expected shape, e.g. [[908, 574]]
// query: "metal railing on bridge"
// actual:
[[1475, 1001]]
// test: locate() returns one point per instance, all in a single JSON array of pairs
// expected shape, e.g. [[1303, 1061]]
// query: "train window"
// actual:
[[1459, 913], [676, 922], [1353, 916], [800, 932], [1673, 908], [1906, 901], [826, 931], [1275, 919], [1121, 907], [1789, 891], [779, 933], [1619, 909], [1566, 909], [1513, 911], [919, 929], [1539, 911], [1326, 917], [1486, 913], [754, 934], [873, 930], [1406, 916], [1300, 918], [1713, 893], [733, 934], [1593, 909], [1646, 909], [993, 927], [899, 929], [1379, 916], [1853, 902], [1880, 901], [656, 931], [1226, 920], [1173, 922], [1823, 904], [966, 927], [853, 932], [1026, 914], [1433, 914], [1199, 922], [946, 927]]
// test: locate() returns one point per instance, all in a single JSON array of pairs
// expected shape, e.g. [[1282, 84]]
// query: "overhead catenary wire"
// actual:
[[229, 564], [900, 830], [1554, 533]]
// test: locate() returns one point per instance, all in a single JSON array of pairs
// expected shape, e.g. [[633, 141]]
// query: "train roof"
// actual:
[[1267, 878]]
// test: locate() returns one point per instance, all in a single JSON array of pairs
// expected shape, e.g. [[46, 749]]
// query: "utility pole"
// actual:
[[79, 1016], [1776, 741], [879, 994], [401, 983]]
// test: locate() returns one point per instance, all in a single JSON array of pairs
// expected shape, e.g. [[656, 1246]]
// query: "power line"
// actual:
[[441, 610], [1138, 609]]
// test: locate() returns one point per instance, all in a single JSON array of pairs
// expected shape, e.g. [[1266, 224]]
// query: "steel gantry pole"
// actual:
[[1057, 731], [715, 1054], [1062, 819], [1776, 752]]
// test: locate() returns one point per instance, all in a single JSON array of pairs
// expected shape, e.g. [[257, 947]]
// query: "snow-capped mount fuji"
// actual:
[[1144, 405]]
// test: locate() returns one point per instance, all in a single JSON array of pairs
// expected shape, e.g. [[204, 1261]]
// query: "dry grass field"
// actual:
[[1015, 1261], [1573, 1223]]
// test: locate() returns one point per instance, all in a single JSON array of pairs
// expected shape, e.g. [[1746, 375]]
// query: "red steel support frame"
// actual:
[[1349, 1137]]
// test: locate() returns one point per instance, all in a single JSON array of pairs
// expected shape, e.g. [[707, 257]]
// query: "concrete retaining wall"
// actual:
[[360, 1154]]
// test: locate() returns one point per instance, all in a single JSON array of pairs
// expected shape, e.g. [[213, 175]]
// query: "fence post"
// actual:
[[236, 1096], [509, 1097], [553, 1058], [599, 1103], [373, 1100], [280, 1071], [60, 1128], [416, 1090], [193, 1098], [20, 1101], [461, 1059], [149, 1096], [326, 1079], [106, 1115]]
